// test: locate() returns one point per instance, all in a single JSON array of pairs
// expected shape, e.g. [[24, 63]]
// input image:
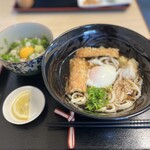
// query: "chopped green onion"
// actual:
[[97, 98]]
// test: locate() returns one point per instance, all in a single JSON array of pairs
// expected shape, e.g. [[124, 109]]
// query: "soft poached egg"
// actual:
[[102, 76]]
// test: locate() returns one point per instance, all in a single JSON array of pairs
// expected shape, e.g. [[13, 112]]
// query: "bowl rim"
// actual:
[[73, 108], [95, 24], [32, 23]]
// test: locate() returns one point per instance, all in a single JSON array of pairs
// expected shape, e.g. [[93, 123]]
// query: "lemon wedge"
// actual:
[[20, 106]]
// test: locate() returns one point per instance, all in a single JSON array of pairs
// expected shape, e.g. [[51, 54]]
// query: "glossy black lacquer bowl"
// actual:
[[55, 65]]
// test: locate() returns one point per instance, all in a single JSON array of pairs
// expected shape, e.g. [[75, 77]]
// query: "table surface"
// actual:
[[60, 22], [37, 135]]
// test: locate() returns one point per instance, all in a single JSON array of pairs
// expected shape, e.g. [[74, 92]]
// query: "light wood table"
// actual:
[[59, 22]]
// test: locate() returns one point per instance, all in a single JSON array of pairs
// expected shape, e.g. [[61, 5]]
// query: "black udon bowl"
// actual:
[[55, 63]]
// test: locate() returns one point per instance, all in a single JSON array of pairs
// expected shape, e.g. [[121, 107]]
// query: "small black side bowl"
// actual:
[[55, 63]]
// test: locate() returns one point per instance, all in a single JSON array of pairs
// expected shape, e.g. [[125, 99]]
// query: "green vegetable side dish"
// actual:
[[25, 49], [97, 98]]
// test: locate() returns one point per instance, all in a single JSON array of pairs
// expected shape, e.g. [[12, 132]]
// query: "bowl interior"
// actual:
[[55, 66], [20, 31]]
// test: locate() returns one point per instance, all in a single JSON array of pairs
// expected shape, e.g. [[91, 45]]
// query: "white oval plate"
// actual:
[[37, 103], [103, 3]]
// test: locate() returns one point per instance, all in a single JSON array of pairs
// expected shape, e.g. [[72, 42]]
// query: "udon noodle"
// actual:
[[102, 80]]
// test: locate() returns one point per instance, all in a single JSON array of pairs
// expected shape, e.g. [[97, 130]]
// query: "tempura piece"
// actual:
[[78, 76], [131, 69], [96, 52]]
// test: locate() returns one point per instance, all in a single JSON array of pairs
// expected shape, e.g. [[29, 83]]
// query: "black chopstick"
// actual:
[[145, 123]]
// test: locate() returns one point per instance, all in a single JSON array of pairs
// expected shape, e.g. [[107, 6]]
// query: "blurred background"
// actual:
[[144, 6], [61, 15]]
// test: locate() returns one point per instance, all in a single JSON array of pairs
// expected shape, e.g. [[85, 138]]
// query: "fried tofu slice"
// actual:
[[87, 52], [78, 76]]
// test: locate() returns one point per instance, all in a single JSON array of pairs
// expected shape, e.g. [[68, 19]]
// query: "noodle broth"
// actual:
[[102, 80]]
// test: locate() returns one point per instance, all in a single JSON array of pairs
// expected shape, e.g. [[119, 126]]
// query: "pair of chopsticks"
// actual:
[[145, 123], [71, 125]]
